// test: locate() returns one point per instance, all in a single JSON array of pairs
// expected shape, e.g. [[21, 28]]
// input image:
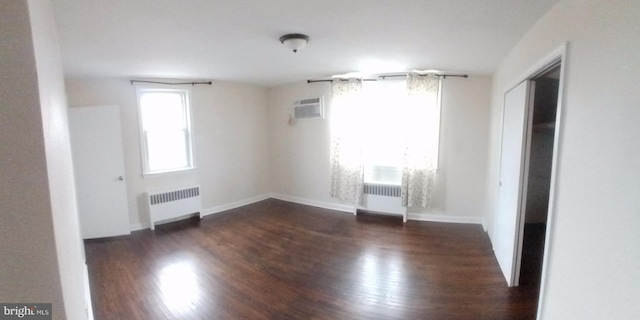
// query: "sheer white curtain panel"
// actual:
[[421, 141], [346, 140]]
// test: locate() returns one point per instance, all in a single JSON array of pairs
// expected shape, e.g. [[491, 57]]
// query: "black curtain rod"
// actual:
[[444, 76], [330, 80], [193, 83]]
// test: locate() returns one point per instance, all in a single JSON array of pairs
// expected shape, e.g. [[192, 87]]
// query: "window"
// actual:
[[165, 130], [384, 122], [388, 133], [391, 120]]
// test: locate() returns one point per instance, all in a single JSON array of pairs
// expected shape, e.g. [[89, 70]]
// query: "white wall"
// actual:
[[592, 264], [27, 234], [300, 153], [42, 255], [59, 164], [230, 142], [459, 189]]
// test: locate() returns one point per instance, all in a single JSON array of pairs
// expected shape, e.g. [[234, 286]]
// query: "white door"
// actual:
[[98, 160], [509, 221]]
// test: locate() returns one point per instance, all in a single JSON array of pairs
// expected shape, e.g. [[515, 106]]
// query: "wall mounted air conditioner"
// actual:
[[308, 109]]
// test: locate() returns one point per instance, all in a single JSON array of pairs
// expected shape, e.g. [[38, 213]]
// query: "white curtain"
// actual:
[[346, 140], [421, 141]]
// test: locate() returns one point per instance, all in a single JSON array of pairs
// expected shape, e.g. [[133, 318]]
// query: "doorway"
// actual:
[[523, 258], [96, 145], [541, 151], [528, 152]]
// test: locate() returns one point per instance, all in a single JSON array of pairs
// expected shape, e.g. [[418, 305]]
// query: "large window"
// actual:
[[165, 130], [386, 132], [384, 123], [390, 120]]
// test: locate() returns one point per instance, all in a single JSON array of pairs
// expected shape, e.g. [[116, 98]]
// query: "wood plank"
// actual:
[[279, 260]]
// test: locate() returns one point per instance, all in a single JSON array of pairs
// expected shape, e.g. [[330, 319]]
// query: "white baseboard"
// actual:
[[444, 218], [314, 203], [236, 204], [350, 209], [209, 211], [324, 205], [139, 226], [88, 307]]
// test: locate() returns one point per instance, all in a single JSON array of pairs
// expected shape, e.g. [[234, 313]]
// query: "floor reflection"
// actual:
[[179, 287], [382, 279]]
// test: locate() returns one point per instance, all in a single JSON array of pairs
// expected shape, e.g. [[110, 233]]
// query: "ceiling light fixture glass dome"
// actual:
[[294, 41]]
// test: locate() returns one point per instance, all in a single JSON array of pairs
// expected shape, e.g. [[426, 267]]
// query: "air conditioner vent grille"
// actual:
[[309, 101], [308, 109]]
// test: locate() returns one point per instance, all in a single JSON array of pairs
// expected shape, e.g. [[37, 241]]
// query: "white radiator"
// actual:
[[381, 198], [172, 204]]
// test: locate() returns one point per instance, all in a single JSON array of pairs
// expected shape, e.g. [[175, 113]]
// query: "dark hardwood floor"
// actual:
[[278, 260]]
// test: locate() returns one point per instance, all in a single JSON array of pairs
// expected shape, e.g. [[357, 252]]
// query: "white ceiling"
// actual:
[[237, 40]]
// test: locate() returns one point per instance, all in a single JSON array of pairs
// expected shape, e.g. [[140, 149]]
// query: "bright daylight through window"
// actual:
[[390, 121], [165, 130], [382, 147]]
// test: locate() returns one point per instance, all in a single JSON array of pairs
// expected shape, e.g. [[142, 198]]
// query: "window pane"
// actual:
[[383, 174], [386, 122], [162, 110], [393, 121], [167, 150], [165, 128]]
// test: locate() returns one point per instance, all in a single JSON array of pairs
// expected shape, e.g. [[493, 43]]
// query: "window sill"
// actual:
[[161, 174]]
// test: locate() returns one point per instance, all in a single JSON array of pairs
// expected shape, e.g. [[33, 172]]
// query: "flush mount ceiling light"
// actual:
[[294, 41]]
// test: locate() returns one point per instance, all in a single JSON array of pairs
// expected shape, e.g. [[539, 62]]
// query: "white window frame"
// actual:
[[185, 93]]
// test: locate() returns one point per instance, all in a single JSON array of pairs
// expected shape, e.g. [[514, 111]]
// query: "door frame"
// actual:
[[557, 57], [511, 269]]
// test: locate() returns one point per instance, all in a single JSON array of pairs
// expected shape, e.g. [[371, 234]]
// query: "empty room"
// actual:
[[291, 159]]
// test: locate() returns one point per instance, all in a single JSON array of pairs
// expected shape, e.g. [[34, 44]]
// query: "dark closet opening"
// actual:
[[539, 180]]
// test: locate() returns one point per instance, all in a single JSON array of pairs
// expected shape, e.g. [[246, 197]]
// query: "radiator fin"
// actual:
[[382, 190], [384, 199], [175, 195], [173, 204]]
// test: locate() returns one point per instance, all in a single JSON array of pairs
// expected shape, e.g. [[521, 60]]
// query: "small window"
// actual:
[[165, 130]]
